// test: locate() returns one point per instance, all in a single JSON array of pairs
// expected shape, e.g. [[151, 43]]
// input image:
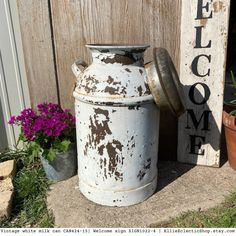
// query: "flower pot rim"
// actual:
[[229, 121]]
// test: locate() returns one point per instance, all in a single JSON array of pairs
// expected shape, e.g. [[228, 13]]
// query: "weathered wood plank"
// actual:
[[202, 69], [38, 53]]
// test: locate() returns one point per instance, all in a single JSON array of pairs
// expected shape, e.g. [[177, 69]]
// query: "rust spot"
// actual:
[[123, 91], [218, 6], [101, 149], [114, 150], [90, 85], [115, 83], [126, 59], [99, 127], [110, 80], [141, 174], [134, 107], [146, 167], [140, 71], [131, 107], [140, 90], [111, 90], [86, 149], [101, 163], [127, 69], [147, 91], [105, 171], [203, 22]]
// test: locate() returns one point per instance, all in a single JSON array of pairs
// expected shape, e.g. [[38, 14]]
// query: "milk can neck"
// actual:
[[135, 59], [118, 54]]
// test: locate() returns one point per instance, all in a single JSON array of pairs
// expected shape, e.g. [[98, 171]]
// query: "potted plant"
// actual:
[[229, 121], [50, 133]]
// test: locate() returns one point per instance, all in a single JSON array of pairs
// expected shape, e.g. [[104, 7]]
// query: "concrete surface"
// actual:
[[7, 169], [7, 172], [5, 203], [181, 187]]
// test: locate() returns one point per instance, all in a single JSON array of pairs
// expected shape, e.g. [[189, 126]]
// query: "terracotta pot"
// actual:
[[230, 133]]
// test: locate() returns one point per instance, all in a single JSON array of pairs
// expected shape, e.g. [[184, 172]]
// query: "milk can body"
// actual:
[[117, 125]]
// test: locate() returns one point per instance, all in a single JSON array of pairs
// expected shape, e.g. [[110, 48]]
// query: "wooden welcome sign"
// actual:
[[204, 29]]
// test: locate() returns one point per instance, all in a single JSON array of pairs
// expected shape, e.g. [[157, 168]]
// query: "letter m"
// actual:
[[196, 122]]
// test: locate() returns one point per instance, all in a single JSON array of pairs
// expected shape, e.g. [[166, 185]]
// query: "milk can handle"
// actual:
[[78, 67]]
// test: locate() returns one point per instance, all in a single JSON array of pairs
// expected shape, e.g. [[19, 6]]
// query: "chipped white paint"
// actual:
[[204, 30], [117, 125]]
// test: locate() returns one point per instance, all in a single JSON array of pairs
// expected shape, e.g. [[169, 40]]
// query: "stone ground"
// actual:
[[181, 187], [7, 172]]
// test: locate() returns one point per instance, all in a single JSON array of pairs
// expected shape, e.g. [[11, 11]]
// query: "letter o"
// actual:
[[207, 94]]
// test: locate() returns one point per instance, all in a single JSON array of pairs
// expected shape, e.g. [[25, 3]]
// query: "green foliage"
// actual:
[[57, 146], [233, 102], [29, 207], [223, 216], [64, 145]]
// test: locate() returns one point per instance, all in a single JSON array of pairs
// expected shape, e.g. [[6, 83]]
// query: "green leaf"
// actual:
[[233, 113], [233, 78], [64, 145], [50, 155], [34, 150]]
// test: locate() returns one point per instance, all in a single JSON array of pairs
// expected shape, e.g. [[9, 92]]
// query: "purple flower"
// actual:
[[67, 110], [50, 122], [12, 120]]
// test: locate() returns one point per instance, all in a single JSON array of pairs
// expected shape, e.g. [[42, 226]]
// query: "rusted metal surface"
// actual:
[[164, 83], [117, 127]]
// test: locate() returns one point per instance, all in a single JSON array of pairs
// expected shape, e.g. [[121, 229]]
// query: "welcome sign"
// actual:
[[204, 29]]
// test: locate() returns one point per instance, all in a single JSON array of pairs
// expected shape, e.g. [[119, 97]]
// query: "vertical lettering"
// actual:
[[192, 94], [200, 8], [199, 38], [194, 65], [196, 142], [205, 117]]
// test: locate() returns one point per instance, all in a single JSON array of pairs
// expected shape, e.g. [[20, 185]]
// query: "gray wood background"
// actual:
[[54, 33]]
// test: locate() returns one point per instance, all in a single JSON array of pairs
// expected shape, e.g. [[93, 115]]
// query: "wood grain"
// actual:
[[38, 54]]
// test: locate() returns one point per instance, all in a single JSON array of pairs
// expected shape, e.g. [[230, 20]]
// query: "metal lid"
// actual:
[[164, 83]]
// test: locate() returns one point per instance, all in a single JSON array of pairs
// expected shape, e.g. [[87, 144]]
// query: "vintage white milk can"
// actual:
[[117, 121]]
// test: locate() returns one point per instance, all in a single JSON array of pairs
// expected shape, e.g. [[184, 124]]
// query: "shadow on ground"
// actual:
[[169, 171]]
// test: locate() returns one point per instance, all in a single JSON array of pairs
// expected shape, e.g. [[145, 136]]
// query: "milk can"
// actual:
[[117, 106]]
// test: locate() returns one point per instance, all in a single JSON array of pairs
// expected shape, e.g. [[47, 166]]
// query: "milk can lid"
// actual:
[[164, 83]]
